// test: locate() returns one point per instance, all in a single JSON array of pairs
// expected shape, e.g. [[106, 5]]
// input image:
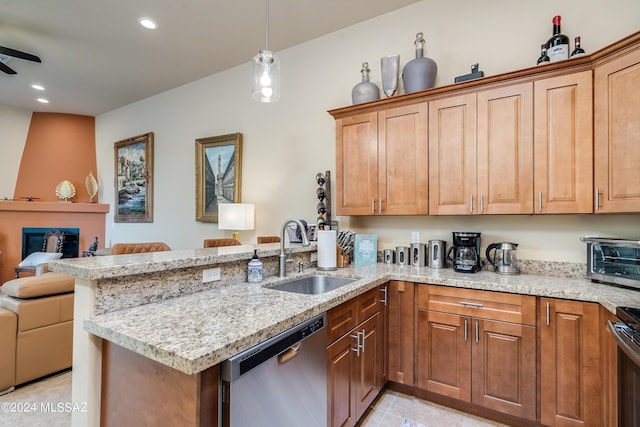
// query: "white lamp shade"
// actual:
[[236, 216]]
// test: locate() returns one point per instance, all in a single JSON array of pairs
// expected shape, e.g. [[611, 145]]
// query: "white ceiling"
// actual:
[[96, 57]]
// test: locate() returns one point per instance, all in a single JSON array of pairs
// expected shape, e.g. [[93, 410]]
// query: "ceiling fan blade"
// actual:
[[17, 54], [4, 67]]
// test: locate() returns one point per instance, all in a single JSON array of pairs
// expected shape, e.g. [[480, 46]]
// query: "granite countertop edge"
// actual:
[[194, 332]]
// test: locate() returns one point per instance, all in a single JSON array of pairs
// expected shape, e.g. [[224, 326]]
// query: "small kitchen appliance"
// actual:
[[437, 254], [503, 259], [613, 261], [465, 252]]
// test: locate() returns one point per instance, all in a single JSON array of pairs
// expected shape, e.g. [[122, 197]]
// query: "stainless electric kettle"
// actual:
[[504, 259]]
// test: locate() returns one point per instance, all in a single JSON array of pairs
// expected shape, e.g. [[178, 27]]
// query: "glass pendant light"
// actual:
[[266, 72]]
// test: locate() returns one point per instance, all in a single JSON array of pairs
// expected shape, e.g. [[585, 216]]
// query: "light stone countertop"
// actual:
[[194, 332], [104, 267]]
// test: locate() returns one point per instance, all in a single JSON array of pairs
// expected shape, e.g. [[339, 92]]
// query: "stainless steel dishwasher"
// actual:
[[281, 382]]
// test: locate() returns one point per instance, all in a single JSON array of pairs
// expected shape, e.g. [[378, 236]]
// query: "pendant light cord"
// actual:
[[267, 28]]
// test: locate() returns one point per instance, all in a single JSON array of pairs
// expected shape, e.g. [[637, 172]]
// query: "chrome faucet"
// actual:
[[283, 256]]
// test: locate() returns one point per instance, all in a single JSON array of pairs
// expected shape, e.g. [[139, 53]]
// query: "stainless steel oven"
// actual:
[[627, 335], [615, 261]]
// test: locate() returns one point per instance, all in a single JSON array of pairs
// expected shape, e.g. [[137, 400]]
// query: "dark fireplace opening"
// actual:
[[33, 240]]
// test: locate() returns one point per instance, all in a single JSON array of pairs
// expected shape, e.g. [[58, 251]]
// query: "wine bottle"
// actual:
[[558, 44], [578, 51], [544, 58]]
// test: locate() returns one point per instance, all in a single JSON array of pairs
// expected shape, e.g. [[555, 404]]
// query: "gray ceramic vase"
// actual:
[[419, 73], [365, 91]]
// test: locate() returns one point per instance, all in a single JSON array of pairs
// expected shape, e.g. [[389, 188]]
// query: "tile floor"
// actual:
[[392, 409]]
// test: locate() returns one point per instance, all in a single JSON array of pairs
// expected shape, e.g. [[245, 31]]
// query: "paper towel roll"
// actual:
[[327, 250]]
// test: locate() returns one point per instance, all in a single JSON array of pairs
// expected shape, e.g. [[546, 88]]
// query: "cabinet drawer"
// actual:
[[341, 319], [501, 306], [368, 304]]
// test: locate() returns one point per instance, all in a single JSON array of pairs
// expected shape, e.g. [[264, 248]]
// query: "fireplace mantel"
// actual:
[[25, 206], [89, 218]]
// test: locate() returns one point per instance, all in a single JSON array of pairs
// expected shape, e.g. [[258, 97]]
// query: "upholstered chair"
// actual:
[[215, 243]]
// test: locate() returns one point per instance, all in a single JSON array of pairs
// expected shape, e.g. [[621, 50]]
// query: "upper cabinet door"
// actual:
[[452, 155], [617, 134], [564, 144], [356, 164], [402, 160], [505, 150]]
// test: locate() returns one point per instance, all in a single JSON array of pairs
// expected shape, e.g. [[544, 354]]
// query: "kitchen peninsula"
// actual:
[[156, 306]]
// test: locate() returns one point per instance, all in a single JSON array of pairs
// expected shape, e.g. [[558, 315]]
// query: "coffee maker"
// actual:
[[465, 252]]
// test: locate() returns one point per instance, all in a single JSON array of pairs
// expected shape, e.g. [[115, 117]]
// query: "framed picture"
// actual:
[[218, 174], [134, 179]]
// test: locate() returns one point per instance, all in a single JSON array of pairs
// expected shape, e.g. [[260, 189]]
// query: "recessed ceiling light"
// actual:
[[148, 23], [43, 101], [37, 86]]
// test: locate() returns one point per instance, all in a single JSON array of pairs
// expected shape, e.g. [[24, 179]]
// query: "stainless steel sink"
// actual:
[[312, 285]]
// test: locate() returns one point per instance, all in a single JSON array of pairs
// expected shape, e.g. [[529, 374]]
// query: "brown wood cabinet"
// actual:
[[478, 347], [616, 126], [381, 162], [570, 381], [401, 346], [481, 152], [609, 369], [563, 141], [356, 359]]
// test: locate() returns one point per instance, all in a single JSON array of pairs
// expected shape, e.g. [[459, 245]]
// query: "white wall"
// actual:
[[287, 143]]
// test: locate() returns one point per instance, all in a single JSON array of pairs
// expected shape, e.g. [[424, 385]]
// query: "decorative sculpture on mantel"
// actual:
[[91, 185], [65, 190]]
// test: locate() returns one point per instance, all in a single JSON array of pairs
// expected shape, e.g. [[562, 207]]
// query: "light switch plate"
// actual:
[[210, 275], [415, 237]]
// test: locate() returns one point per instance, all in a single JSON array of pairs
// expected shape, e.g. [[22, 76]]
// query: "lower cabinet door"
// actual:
[[570, 381], [504, 367], [341, 380], [370, 363], [444, 354]]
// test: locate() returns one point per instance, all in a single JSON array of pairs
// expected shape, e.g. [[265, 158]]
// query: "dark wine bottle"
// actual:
[[558, 44], [578, 51], [544, 58]]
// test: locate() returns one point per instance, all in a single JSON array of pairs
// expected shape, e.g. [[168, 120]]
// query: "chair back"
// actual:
[[268, 239], [216, 243], [53, 240], [138, 248]]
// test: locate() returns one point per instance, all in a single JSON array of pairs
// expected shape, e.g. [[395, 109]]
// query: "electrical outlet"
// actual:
[[210, 275], [415, 237], [314, 256]]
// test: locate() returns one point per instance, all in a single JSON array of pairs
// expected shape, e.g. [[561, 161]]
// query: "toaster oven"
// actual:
[[612, 260]]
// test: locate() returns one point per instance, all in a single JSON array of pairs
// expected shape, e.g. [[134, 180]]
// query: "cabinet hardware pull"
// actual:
[[363, 336], [471, 203], [598, 193], [380, 205], [548, 309], [384, 299], [481, 202], [465, 330], [476, 332], [471, 304], [540, 202], [373, 205], [357, 349]]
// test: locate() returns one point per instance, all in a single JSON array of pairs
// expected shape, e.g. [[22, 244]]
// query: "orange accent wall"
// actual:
[[58, 147]]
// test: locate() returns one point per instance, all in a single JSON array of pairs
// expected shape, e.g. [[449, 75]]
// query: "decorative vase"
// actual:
[[390, 69], [419, 73], [365, 91]]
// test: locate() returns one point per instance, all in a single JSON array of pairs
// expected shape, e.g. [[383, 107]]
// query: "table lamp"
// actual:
[[236, 217]]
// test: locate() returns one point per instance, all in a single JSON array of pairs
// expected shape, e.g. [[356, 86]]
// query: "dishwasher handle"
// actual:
[[289, 354]]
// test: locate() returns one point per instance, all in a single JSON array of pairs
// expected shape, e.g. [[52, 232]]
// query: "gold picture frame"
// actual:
[[133, 165], [218, 174]]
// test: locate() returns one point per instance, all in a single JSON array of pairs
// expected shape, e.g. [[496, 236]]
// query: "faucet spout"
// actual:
[[283, 256]]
